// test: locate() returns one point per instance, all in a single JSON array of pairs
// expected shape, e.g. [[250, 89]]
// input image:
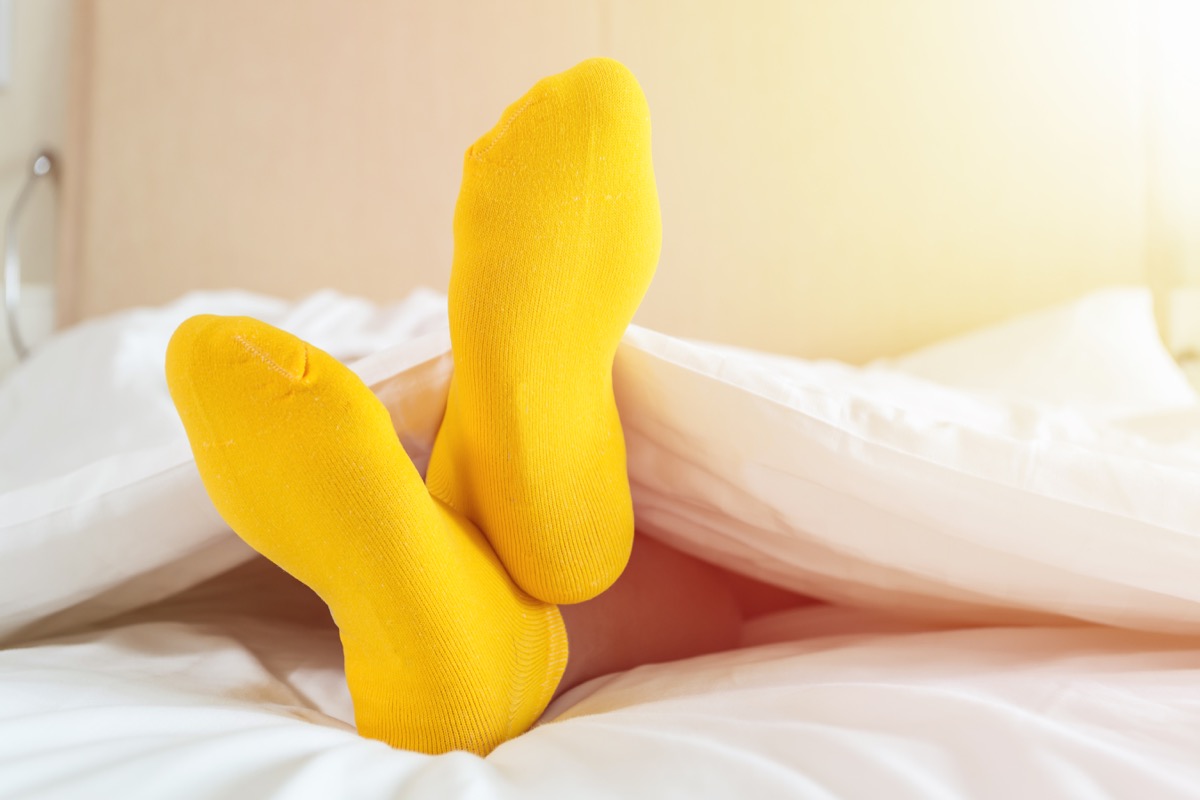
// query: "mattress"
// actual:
[[1004, 527]]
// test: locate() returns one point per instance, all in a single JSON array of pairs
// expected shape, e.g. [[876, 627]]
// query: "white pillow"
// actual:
[[873, 487], [867, 486], [1099, 356], [101, 507]]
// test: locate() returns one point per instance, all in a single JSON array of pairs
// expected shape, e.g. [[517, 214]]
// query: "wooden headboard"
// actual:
[[837, 179]]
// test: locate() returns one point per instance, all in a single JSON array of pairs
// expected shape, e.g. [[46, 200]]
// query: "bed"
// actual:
[[993, 487]]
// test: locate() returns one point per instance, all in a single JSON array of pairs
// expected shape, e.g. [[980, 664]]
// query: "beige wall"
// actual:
[[31, 116], [843, 179]]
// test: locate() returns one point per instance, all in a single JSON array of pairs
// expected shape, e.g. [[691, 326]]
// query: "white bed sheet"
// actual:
[[233, 691], [233, 687]]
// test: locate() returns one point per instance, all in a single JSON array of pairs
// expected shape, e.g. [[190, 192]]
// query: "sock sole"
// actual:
[[557, 235], [442, 650]]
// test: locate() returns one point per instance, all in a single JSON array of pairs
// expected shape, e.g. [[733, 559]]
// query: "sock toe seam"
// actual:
[[271, 363], [507, 126]]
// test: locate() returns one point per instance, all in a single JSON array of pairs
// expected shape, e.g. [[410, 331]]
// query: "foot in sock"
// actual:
[[556, 237], [442, 650]]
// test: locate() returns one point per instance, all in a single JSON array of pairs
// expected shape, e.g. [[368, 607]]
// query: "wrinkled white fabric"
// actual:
[[235, 691], [1013, 476]]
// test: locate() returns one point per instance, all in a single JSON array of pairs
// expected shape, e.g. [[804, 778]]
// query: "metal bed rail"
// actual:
[[41, 167]]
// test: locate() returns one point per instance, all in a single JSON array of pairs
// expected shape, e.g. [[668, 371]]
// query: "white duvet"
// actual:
[[1009, 524]]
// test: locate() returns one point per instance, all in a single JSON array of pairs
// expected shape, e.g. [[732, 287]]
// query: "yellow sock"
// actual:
[[442, 650], [556, 237]]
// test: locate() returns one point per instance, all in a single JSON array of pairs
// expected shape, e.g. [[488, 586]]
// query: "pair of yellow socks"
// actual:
[[445, 592]]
